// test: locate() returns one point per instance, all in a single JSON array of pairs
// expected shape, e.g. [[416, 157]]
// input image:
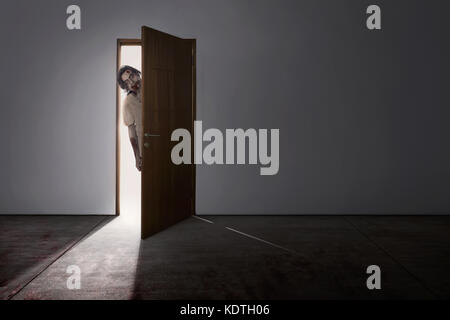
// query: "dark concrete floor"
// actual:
[[28, 244], [227, 257]]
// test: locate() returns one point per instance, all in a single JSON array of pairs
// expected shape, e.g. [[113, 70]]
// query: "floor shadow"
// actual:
[[198, 260], [327, 259]]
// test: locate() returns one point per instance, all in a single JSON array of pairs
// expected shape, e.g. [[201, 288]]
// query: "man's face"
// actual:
[[132, 80]]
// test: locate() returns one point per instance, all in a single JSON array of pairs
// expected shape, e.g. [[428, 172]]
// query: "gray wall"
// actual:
[[363, 116]]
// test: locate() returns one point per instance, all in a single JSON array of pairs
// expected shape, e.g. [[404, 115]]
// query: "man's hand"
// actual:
[[139, 163]]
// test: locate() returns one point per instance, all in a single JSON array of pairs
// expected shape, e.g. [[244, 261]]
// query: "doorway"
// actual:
[[128, 189], [168, 97]]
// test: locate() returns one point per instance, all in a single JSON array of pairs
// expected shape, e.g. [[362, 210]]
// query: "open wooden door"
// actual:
[[168, 100]]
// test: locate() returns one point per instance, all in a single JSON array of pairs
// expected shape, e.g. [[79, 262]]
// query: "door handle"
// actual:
[[146, 144]]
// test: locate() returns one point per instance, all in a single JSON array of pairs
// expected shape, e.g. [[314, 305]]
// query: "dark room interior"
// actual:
[[342, 174]]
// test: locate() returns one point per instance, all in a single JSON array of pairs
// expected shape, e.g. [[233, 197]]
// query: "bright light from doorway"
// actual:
[[130, 177]]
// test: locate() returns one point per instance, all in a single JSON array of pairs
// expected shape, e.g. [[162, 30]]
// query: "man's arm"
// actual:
[[135, 144]]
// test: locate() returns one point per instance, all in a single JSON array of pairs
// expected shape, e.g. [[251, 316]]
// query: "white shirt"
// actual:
[[132, 113]]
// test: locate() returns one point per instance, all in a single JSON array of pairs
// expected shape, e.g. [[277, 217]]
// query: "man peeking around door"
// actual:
[[129, 79]]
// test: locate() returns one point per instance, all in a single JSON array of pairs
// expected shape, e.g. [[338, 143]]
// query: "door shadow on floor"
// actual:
[[198, 260]]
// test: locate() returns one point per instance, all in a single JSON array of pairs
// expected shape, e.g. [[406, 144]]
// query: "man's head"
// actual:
[[129, 78]]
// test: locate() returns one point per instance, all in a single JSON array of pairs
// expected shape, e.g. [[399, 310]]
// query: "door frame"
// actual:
[[138, 42]]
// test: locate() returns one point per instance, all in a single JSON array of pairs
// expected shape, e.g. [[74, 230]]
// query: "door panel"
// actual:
[[168, 103]]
